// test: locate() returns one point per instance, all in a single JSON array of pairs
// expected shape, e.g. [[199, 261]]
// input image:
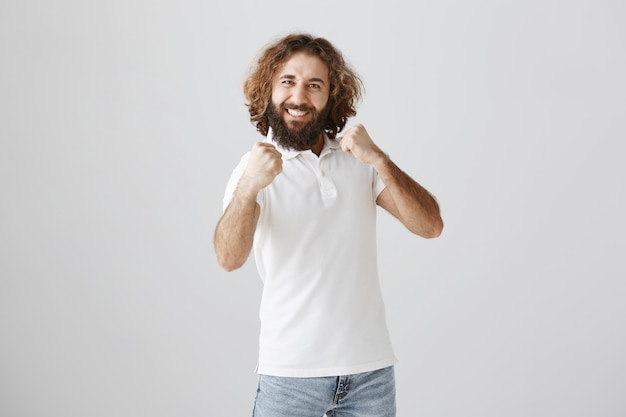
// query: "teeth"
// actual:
[[296, 112]]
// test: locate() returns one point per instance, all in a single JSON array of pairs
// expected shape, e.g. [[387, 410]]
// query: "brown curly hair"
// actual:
[[346, 87]]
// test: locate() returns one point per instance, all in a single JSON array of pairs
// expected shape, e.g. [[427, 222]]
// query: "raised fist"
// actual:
[[358, 142], [264, 164]]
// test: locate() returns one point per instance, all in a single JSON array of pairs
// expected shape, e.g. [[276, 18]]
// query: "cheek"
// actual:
[[320, 103], [278, 98]]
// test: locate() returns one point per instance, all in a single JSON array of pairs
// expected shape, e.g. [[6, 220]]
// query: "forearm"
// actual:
[[415, 207], [234, 233]]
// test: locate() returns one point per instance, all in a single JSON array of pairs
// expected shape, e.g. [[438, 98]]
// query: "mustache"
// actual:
[[301, 107]]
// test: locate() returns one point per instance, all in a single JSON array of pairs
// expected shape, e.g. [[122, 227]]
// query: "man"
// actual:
[[306, 202]]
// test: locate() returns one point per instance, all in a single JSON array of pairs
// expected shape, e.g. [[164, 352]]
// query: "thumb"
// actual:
[[345, 143]]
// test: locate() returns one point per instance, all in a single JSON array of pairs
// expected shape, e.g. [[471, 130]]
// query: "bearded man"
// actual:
[[305, 201]]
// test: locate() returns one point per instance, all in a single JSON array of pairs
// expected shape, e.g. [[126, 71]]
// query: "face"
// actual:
[[298, 111]]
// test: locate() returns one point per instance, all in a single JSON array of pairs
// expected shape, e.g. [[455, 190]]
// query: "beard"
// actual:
[[301, 136]]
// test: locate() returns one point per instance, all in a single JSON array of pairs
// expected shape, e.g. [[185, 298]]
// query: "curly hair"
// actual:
[[346, 87]]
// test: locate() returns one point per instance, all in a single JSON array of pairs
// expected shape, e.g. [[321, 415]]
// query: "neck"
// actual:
[[319, 145]]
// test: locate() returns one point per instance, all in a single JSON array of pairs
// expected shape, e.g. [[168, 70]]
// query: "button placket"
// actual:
[[327, 187]]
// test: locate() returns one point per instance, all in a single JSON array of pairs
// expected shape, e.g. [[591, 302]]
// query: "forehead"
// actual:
[[305, 66]]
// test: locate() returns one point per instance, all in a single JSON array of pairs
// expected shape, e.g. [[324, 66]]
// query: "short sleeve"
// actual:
[[231, 186], [378, 185]]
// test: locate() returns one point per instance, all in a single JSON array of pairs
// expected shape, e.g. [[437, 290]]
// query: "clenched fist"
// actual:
[[359, 143], [264, 164]]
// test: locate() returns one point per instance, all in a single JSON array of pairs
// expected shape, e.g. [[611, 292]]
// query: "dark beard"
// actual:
[[304, 135]]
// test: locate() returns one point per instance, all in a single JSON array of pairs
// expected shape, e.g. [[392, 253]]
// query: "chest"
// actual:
[[309, 185]]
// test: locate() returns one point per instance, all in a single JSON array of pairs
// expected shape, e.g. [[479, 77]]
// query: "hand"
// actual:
[[359, 143], [264, 164]]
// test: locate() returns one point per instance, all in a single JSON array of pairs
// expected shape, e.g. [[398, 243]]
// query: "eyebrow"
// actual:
[[293, 77]]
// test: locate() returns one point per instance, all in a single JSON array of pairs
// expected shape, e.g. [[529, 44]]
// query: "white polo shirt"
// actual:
[[322, 312]]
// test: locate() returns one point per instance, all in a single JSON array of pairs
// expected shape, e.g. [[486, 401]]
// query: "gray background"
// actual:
[[121, 122]]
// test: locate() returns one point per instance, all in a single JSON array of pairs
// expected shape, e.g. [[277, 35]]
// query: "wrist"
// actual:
[[381, 161], [247, 188]]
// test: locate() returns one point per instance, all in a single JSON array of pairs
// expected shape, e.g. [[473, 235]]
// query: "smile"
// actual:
[[296, 113]]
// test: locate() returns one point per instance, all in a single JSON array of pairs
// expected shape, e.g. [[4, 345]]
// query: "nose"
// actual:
[[299, 94]]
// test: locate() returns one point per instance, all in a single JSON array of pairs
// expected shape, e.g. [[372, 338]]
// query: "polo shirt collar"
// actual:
[[329, 145]]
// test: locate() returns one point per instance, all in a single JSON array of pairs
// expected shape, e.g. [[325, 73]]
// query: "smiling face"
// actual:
[[298, 111]]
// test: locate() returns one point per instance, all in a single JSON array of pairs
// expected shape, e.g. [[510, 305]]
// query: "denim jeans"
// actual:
[[368, 394]]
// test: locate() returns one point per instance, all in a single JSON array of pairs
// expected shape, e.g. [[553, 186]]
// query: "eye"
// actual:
[[286, 82], [314, 86]]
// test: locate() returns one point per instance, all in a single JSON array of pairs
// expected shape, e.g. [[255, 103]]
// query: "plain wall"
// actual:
[[120, 122]]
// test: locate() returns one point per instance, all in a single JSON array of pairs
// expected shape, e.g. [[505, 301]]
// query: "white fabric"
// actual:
[[322, 312]]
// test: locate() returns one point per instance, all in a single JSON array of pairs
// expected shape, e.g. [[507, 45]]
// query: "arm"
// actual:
[[403, 197], [408, 201], [234, 233]]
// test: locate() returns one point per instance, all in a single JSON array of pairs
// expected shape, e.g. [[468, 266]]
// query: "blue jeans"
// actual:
[[368, 394]]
